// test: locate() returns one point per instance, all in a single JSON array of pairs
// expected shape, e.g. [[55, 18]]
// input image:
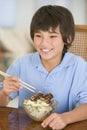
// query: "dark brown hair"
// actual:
[[53, 16]]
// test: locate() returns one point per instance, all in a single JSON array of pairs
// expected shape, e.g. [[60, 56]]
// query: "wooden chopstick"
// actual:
[[27, 86]]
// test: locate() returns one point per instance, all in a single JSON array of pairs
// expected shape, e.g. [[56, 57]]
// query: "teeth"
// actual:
[[45, 50]]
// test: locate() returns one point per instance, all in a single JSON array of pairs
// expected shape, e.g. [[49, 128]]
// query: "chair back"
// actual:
[[79, 45]]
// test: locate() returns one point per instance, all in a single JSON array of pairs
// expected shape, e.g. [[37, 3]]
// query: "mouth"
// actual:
[[46, 50]]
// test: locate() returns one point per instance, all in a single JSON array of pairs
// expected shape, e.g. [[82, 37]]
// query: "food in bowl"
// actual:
[[39, 106]]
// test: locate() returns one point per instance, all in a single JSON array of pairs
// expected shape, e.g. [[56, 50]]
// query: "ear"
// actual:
[[69, 39]]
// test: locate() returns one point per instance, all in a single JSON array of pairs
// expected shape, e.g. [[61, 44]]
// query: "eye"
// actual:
[[53, 36], [37, 35]]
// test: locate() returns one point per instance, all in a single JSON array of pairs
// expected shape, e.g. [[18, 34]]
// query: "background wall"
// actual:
[[26, 8], [79, 11], [23, 11]]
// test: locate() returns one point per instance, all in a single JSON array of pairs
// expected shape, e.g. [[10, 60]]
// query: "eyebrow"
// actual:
[[39, 31]]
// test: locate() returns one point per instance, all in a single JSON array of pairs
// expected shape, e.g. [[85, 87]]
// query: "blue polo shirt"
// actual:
[[67, 82]]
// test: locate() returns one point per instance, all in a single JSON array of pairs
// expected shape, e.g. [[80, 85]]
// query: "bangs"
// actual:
[[45, 24], [43, 20]]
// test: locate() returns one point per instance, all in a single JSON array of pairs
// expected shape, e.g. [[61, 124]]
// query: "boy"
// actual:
[[51, 68]]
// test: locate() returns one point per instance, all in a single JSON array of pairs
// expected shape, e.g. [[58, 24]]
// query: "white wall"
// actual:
[[24, 12], [7, 13], [79, 11], [25, 9]]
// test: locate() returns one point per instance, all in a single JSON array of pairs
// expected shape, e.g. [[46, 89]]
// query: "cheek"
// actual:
[[36, 43], [59, 45]]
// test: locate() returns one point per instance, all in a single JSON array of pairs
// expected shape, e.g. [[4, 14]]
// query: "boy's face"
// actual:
[[49, 44]]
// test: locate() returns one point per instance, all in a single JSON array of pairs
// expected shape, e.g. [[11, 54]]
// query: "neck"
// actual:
[[51, 64]]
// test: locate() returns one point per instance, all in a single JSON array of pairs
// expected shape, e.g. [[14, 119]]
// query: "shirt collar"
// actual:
[[68, 60]]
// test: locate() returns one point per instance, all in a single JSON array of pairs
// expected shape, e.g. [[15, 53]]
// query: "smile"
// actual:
[[46, 50]]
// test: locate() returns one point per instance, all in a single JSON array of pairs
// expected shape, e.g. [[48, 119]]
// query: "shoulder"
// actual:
[[72, 59], [25, 61], [77, 63], [74, 63], [27, 58]]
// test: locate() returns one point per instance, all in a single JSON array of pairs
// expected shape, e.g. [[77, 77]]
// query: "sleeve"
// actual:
[[80, 88], [81, 94]]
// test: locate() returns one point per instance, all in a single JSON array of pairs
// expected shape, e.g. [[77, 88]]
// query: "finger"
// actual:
[[58, 126], [47, 121], [10, 86], [9, 89], [52, 124], [57, 123], [13, 78], [14, 87], [13, 83]]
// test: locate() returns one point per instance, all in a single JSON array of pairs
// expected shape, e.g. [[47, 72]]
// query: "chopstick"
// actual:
[[27, 86]]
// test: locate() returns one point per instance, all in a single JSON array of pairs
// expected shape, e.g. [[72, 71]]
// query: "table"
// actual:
[[17, 119]]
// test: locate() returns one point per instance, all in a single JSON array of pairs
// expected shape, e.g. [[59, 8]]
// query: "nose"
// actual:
[[44, 41]]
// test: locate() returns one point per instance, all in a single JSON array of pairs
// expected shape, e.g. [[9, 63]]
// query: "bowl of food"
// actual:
[[39, 106]]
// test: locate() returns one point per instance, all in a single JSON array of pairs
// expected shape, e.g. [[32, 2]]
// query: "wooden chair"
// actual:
[[79, 46]]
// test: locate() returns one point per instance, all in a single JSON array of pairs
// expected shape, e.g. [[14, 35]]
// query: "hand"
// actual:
[[11, 84], [55, 121]]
